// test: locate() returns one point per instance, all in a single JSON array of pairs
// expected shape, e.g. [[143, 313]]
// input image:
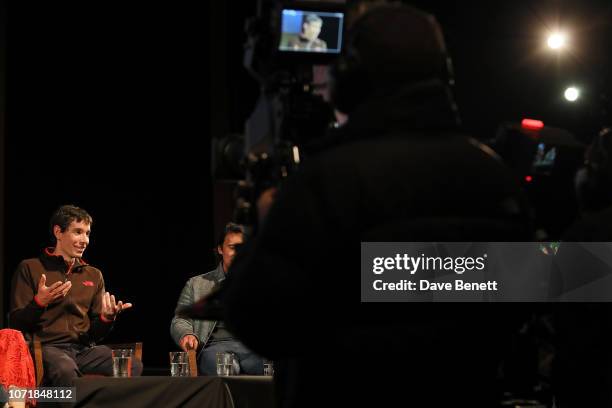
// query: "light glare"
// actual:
[[571, 94], [556, 41]]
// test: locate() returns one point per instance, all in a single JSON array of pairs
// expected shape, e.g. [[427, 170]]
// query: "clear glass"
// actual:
[[225, 364], [179, 364], [122, 362], [268, 368]]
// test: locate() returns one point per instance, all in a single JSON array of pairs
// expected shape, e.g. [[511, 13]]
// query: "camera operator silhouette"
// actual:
[[397, 170], [584, 329]]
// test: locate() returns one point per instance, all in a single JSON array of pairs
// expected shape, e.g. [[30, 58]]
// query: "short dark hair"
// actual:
[[66, 214], [230, 228], [312, 18]]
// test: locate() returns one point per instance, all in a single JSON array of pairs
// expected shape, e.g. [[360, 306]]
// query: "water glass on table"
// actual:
[[225, 363], [122, 362], [268, 368], [179, 364]]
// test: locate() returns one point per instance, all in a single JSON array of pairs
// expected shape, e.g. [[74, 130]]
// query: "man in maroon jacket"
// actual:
[[61, 299]]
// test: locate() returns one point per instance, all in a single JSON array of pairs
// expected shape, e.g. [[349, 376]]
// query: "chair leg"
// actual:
[[193, 363]]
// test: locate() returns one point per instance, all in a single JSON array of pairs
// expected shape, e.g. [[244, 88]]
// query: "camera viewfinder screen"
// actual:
[[311, 31], [544, 159]]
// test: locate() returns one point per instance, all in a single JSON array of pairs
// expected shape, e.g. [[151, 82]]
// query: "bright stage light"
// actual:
[[571, 94], [556, 41]]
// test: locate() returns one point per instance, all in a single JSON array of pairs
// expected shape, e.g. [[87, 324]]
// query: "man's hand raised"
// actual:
[[110, 308], [49, 294]]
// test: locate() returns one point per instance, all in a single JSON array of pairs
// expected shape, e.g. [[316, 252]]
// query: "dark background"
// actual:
[[112, 107]]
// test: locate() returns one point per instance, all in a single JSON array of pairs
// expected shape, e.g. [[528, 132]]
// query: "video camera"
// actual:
[[545, 159], [537, 151], [287, 48]]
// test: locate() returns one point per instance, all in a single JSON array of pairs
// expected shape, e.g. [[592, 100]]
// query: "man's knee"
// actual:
[[60, 370], [96, 360], [251, 364], [207, 364]]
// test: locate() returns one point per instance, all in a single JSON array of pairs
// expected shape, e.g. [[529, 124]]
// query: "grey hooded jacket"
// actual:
[[195, 289]]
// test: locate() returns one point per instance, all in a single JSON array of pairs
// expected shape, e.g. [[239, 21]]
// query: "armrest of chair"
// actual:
[[193, 363], [38, 361]]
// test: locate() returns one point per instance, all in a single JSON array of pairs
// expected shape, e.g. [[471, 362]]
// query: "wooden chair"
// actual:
[[193, 363], [38, 362]]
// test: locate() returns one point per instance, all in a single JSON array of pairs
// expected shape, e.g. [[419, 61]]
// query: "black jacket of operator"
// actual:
[[396, 171]]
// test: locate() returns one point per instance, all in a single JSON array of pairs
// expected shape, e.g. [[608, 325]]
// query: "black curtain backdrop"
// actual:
[[108, 109]]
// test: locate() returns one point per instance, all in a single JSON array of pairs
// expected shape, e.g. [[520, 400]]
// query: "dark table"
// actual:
[[166, 392]]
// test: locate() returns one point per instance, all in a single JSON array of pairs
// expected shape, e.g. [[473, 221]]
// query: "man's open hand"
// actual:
[[110, 308], [49, 294]]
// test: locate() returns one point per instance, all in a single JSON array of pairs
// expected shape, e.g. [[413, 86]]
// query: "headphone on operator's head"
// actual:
[[347, 76], [349, 79], [594, 180]]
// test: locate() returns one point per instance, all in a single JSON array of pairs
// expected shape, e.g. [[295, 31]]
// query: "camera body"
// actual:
[[538, 151], [545, 159], [287, 49]]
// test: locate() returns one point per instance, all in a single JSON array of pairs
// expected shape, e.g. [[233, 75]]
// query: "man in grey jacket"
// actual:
[[211, 336]]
